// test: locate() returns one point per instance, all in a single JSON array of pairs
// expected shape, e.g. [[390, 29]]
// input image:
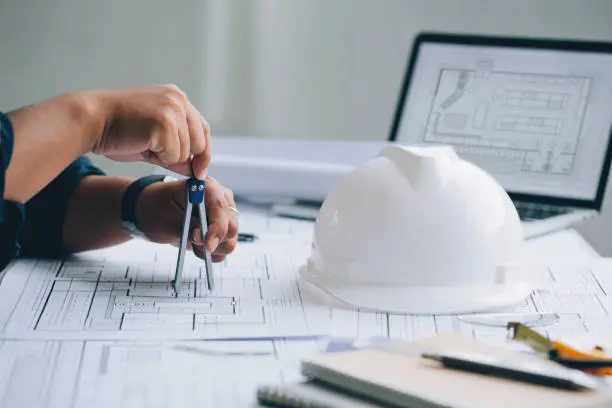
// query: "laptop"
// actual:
[[534, 113]]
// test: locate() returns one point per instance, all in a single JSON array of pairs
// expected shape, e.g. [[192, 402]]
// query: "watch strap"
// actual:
[[130, 198]]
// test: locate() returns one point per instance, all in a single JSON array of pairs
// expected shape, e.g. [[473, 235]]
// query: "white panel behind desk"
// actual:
[[297, 169], [561, 246]]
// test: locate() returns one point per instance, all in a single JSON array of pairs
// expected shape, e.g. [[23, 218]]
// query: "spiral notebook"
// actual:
[[397, 376], [311, 394]]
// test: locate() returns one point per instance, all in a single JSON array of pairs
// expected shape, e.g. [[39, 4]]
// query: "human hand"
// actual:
[[161, 207], [156, 124]]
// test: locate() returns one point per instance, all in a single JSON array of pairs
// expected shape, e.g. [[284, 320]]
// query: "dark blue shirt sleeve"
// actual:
[[12, 213], [41, 235], [35, 229]]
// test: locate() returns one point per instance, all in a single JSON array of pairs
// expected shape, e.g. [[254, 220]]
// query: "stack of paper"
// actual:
[[105, 326]]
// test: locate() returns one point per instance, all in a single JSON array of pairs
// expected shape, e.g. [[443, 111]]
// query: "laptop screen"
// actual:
[[537, 117]]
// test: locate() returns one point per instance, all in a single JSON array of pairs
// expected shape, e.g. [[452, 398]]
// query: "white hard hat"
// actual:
[[420, 231]]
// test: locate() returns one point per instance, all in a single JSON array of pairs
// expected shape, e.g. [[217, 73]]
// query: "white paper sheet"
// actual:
[[125, 293], [106, 325], [146, 374]]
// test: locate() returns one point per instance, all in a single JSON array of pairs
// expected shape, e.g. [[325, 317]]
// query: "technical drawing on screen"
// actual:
[[530, 121], [535, 117]]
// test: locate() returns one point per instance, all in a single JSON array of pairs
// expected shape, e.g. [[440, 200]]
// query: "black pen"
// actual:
[[579, 363], [499, 369], [244, 237], [584, 363]]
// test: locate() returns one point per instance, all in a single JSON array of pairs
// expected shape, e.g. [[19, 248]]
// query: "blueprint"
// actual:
[[165, 373], [145, 374], [517, 121], [104, 329], [125, 293]]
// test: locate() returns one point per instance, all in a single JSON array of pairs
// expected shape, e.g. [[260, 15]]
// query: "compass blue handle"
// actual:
[[196, 189]]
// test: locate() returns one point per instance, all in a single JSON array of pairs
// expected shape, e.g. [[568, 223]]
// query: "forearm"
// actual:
[[93, 216], [49, 135]]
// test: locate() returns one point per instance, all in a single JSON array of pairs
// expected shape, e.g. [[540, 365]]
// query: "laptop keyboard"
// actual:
[[532, 211]]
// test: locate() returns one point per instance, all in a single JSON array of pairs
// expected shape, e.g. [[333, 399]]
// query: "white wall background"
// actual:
[[267, 68]]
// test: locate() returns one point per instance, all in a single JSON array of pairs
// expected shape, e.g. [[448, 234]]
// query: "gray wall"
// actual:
[[50, 47], [333, 68], [277, 68]]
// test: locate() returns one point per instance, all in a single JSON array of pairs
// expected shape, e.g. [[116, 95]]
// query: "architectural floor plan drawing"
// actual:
[[125, 293], [38, 374], [104, 330], [144, 374], [257, 295], [100, 298], [520, 122], [183, 374]]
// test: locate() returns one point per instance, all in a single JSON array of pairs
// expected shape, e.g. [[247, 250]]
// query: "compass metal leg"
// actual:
[[178, 274], [194, 195], [207, 257]]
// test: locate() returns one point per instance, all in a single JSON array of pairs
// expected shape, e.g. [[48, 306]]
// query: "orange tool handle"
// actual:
[[567, 351]]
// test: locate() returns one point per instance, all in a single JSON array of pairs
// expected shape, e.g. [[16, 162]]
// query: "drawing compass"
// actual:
[[195, 190]]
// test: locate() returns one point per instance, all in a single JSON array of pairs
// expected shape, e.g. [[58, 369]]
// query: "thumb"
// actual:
[[199, 165]]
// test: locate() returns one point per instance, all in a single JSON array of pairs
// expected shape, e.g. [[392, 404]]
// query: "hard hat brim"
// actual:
[[420, 300]]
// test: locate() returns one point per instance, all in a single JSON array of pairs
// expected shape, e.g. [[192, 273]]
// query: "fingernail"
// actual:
[[197, 236], [213, 244]]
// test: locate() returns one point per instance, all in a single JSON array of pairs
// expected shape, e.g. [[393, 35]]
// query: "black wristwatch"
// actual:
[[129, 199]]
